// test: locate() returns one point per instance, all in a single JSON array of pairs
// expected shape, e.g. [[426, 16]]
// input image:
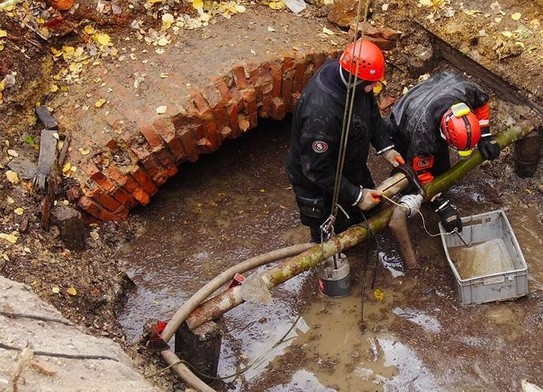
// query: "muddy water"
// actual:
[[397, 330]]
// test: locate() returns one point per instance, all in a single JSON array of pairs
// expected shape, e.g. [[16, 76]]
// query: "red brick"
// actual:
[[166, 130], [154, 169], [300, 67], [158, 147], [129, 183], [186, 136], [255, 79], [233, 108], [164, 157], [91, 207], [244, 123], [204, 121], [223, 88], [226, 133], [240, 77], [124, 197], [154, 140], [112, 144], [121, 214], [105, 200], [249, 101], [217, 104], [288, 81], [278, 109], [264, 108], [277, 79], [155, 163], [146, 182], [318, 60], [199, 102], [97, 176]]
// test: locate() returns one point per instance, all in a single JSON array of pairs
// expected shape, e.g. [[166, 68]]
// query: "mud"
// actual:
[[397, 330]]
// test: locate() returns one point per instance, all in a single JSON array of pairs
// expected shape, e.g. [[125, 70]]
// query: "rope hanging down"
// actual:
[[327, 228]]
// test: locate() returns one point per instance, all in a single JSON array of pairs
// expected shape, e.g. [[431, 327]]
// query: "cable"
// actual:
[[423, 220], [347, 116]]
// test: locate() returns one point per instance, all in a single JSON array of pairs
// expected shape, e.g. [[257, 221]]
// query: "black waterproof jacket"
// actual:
[[316, 134], [415, 119]]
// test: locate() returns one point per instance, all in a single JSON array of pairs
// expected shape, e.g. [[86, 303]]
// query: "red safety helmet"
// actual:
[[365, 60], [460, 127]]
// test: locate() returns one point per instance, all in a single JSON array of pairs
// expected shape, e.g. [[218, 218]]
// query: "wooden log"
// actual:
[[289, 268]]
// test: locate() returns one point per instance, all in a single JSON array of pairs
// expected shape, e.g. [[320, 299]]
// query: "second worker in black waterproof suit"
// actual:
[[316, 134], [446, 110]]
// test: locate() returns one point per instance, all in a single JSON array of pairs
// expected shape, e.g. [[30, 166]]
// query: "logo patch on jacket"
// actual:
[[319, 146]]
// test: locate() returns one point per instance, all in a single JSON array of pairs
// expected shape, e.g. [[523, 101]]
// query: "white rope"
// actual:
[[347, 116]]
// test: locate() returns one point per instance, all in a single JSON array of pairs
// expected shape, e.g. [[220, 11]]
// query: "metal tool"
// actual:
[[335, 276]]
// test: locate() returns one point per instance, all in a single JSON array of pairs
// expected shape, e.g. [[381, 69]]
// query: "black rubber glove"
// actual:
[[488, 147], [448, 215]]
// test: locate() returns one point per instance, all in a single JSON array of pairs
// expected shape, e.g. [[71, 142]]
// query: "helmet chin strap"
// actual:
[[345, 82]]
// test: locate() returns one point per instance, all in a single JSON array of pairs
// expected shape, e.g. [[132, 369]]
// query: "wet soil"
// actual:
[[417, 336], [222, 216]]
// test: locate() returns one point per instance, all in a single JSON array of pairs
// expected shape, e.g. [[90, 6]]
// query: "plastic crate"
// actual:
[[486, 259]]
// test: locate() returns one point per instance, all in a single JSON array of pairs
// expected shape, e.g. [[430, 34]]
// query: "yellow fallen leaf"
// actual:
[[167, 21], [473, 12], [66, 168], [102, 38], [19, 211], [55, 289], [3, 33], [13, 153], [12, 177], [161, 109], [10, 200], [507, 34], [240, 9], [516, 16], [197, 4], [277, 5], [12, 239], [53, 88], [71, 291], [379, 294], [89, 30], [377, 88], [100, 103], [84, 151]]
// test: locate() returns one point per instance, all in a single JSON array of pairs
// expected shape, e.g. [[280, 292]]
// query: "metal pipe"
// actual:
[[398, 226]]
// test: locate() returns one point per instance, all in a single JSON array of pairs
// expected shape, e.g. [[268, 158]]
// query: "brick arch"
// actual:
[[130, 168]]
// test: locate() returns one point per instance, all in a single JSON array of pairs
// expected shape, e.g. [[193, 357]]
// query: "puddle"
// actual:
[[237, 203]]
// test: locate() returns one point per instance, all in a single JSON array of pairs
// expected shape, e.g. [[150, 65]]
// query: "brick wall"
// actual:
[[151, 151]]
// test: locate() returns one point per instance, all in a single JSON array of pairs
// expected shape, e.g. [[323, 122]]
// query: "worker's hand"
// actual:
[[393, 157], [488, 147], [448, 215], [369, 199]]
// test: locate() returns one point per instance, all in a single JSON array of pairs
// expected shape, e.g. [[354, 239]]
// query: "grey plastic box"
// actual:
[[486, 259]]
